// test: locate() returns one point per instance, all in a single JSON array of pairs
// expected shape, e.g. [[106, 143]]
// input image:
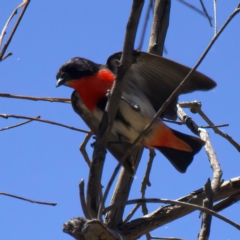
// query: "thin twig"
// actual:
[[6, 116], [83, 151], [146, 181], [203, 13], [129, 216], [82, 200], [207, 15], [166, 238], [180, 86], [48, 99], [216, 126], [215, 16], [167, 201], [28, 200], [115, 172], [17, 125], [150, 6], [24, 4], [196, 107]]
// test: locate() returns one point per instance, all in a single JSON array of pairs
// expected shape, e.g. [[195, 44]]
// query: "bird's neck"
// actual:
[[94, 88]]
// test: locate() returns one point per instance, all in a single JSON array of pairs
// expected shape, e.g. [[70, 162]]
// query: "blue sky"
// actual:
[[43, 162]]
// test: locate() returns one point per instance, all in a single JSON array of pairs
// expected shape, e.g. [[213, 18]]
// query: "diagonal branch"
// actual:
[[196, 107], [6, 116], [207, 15], [17, 125], [105, 126], [203, 13], [24, 4]]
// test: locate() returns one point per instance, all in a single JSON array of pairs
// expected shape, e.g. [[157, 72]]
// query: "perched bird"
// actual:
[[150, 81]]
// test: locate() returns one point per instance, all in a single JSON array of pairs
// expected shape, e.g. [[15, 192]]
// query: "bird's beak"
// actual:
[[60, 82]]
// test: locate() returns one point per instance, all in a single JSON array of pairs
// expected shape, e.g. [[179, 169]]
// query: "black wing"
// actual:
[[158, 77]]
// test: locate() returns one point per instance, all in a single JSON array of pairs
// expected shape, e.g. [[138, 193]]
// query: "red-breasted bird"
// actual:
[[151, 80]]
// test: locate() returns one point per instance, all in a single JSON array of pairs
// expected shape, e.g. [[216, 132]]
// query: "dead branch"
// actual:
[[168, 201], [169, 213], [206, 217], [28, 200], [209, 189], [207, 15], [196, 107], [48, 99], [82, 148], [24, 4], [159, 27], [109, 114], [122, 190], [81, 228], [150, 6], [6, 116], [17, 125], [215, 16], [146, 181], [82, 200], [166, 238], [203, 13]]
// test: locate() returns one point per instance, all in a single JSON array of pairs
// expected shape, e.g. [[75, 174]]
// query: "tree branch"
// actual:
[[6, 116], [24, 4]]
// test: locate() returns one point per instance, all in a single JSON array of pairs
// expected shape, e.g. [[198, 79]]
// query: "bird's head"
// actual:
[[74, 70]]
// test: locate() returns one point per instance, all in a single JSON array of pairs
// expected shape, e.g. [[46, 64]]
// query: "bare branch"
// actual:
[[196, 107], [206, 217], [207, 15], [169, 213], [81, 228], [215, 16], [17, 125], [167, 201], [82, 200], [24, 4], [6, 116], [109, 114], [28, 200], [150, 6], [159, 26], [83, 151], [129, 216], [203, 13], [122, 190], [209, 189], [115, 172], [166, 238], [48, 99], [146, 181], [227, 202]]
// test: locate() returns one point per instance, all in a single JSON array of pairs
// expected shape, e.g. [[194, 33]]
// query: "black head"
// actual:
[[76, 68]]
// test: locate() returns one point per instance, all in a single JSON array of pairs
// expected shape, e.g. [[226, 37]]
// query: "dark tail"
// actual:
[[182, 159]]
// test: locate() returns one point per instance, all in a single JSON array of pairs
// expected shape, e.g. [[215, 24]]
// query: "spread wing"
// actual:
[[158, 77]]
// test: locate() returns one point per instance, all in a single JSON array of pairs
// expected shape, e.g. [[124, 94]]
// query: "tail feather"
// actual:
[[182, 159]]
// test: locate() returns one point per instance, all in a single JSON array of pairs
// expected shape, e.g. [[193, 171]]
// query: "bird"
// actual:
[[151, 79]]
